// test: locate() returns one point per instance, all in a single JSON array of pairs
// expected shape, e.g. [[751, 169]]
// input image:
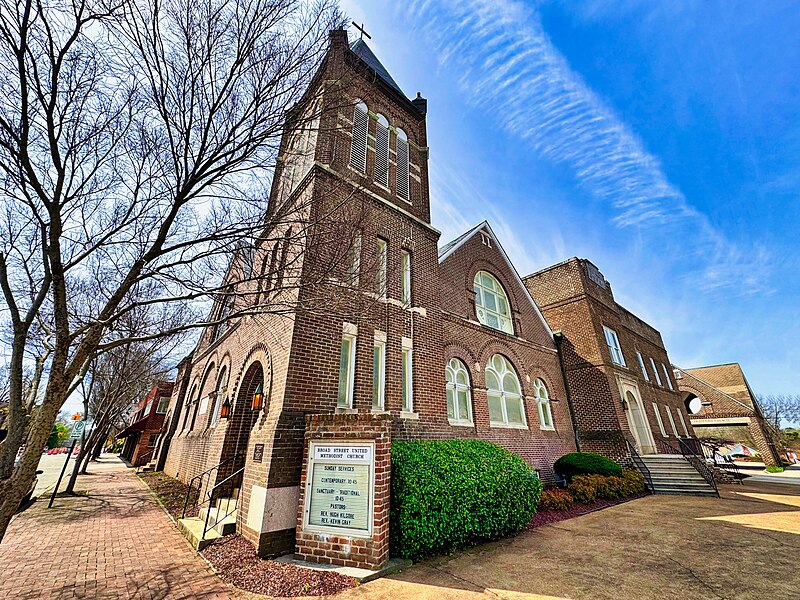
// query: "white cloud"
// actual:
[[510, 69]]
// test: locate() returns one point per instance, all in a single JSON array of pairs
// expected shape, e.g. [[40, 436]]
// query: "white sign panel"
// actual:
[[337, 453], [340, 488]]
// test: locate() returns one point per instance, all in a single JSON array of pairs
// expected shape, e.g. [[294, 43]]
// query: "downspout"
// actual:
[[558, 336]]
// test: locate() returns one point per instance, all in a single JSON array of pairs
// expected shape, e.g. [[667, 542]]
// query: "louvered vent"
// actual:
[[358, 150], [382, 154], [402, 168]]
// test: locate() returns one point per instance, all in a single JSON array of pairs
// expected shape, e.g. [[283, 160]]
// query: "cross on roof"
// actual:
[[362, 30]]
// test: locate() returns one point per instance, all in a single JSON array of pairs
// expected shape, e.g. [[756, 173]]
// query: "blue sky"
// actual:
[[659, 140]]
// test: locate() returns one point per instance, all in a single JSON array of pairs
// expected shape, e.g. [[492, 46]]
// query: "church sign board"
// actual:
[[339, 488]]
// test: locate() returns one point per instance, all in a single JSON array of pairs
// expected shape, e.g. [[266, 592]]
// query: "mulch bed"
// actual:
[[170, 491], [547, 517], [237, 562]]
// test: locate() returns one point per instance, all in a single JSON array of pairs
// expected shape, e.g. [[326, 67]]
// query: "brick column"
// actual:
[[326, 544], [760, 436]]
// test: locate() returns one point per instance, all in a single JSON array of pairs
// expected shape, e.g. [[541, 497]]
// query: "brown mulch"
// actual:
[[171, 492], [237, 562], [546, 517]]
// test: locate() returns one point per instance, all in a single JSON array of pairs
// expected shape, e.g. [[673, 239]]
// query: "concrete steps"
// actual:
[[674, 474], [220, 523]]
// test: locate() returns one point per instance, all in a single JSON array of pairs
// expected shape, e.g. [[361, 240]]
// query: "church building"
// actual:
[[438, 340]]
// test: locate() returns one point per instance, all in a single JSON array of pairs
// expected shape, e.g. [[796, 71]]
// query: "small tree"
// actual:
[[59, 434]]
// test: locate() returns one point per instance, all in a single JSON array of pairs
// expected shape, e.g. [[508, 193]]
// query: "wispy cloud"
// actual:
[[509, 68], [473, 207]]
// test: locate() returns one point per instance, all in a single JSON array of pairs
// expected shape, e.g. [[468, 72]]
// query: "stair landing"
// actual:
[[219, 524]]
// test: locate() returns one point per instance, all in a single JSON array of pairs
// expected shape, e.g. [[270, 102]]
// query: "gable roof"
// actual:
[[361, 50], [448, 249], [695, 373]]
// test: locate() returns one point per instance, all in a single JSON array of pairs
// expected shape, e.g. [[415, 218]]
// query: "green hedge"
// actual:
[[456, 493], [586, 463]]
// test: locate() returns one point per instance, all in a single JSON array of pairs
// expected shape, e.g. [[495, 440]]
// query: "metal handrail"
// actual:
[[199, 479], [230, 477], [724, 465], [142, 456], [638, 461], [696, 461]]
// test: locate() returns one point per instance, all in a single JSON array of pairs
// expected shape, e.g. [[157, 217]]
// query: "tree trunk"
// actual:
[[14, 488]]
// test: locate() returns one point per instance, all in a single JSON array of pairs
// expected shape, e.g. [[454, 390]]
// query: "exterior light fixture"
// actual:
[[225, 409], [258, 398]]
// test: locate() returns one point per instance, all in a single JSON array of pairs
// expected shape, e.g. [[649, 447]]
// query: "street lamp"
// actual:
[[258, 398]]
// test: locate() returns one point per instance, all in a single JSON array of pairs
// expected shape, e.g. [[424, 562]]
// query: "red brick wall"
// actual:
[[351, 551], [579, 307]]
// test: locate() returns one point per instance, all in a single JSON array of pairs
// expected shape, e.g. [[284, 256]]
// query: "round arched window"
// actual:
[[543, 405], [491, 303], [459, 396], [503, 393], [222, 383]]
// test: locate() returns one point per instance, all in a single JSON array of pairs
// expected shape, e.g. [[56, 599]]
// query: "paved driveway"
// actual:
[[118, 543], [115, 543], [745, 545]]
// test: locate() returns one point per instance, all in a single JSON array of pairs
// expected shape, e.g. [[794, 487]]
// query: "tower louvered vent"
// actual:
[[402, 166], [358, 149], [382, 151]]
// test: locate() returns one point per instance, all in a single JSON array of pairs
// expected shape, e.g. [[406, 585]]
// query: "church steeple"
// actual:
[[361, 50]]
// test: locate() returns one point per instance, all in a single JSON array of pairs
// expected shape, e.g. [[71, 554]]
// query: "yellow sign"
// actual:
[[340, 489]]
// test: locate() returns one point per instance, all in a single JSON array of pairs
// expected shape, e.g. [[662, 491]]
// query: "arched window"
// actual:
[[543, 404], [222, 385], [381, 174], [503, 393], [358, 148], [402, 165], [459, 394], [491, 303], [188, 408]]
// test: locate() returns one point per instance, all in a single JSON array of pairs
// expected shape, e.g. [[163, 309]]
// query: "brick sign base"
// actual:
[[348, 549]]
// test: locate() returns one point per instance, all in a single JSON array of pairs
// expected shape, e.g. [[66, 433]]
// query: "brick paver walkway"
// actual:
[[115, 543]]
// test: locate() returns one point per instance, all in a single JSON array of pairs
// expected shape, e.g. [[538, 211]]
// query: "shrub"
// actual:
[[585, 463], [583, 489], [455, 493], [555, 499], [633, 483], [774, 469]]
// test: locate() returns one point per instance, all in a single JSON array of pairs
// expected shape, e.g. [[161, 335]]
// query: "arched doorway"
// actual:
[[637, 421], [240, 423]]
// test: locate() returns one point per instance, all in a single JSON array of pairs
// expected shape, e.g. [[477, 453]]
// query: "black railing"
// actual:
[[641, 466], [226, 493], [140, 460], [201, 482], [697, 461], [728, 466]]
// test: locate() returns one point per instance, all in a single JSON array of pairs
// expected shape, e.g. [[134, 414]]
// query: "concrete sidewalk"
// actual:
[[115, 542], [741, 546]]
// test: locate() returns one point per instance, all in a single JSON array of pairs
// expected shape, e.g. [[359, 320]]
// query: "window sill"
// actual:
[[380, 411], [343, 410], [507, 426], [460, 423], [547, 428], [404, 414]]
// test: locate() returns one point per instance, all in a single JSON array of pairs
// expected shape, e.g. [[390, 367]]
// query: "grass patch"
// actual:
[[171, 492]]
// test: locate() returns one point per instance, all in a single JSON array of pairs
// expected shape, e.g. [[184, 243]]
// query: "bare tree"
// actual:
[[780, 409], [137, 143], [117, 379]]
